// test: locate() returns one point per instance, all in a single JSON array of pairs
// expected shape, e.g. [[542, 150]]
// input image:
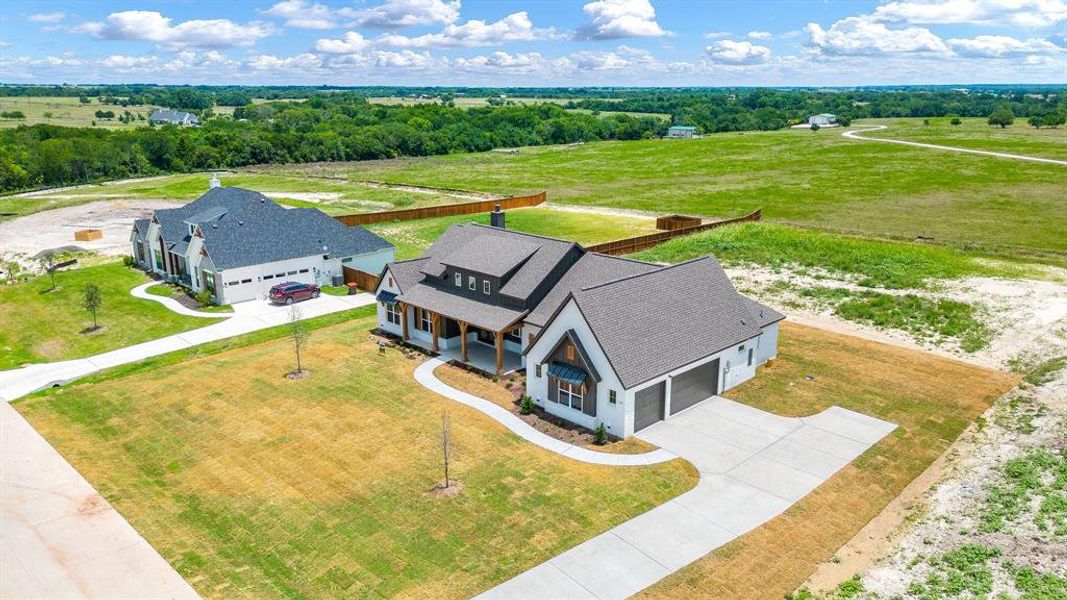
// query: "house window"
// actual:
[[390, 278], [513, 336], [140, 252], [266, 277], [611, 396], [459, 279], [159, 260], [209, 277], [392, 314], [750, 356], [425, 321], [472, 283], [530, 339], [229, 283], [570, 352], [192, 230], [570, 395], [292, 273], [486, 286], [246, 281], [303, 270], [537, 370]]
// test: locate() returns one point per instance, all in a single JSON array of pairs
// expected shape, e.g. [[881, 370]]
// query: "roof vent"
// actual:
[[240, 222], [214, 182], [214, 225]]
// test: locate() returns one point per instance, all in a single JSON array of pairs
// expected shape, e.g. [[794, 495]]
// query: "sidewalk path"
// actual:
[[424, 375], [141, 291], [854, 135], [247, 317]]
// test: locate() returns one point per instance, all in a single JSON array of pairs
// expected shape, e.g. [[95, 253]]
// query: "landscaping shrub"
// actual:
[[127, 261], [526, 405], [203, 298], [600, 436]]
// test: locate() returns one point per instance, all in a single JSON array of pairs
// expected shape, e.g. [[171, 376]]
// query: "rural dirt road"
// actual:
[[854, 135]]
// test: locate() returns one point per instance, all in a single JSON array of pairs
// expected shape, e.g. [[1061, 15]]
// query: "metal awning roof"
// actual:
[[568, 373], [386, 297]]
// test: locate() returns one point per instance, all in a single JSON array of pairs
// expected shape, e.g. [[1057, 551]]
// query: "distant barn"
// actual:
[[681, 131], [173, 117], [823, 120]]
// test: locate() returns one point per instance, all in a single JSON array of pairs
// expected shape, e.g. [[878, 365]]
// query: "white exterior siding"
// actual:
[[231, 290], [614, 416], [388, 284]]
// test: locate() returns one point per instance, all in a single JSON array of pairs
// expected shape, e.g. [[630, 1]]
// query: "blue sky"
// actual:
[[536, 42]]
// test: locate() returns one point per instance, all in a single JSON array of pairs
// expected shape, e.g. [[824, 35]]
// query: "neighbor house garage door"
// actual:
[[695, 385], [648, 406]]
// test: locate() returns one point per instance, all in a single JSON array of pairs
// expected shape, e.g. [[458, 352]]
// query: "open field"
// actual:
[[45, 326], [818, 180], [331, 196], [67, 111], [931, 399], [412, 237], [254, 485], [1019, 138], [480, 102]]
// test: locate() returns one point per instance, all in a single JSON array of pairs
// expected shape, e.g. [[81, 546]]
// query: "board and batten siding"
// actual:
[[613, 416]]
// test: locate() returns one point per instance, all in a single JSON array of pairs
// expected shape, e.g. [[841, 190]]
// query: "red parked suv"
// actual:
[[291, 291]]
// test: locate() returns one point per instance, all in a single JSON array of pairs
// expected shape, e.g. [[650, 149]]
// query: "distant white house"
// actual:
[[823, 120], [173, 117], [681, 131]]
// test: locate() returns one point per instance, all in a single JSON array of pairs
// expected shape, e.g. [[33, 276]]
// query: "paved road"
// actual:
[[753, 466], [58, 537], [854, 135]]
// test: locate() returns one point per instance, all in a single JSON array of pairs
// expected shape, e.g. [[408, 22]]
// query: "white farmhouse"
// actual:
[[173, 117], [237, 244]]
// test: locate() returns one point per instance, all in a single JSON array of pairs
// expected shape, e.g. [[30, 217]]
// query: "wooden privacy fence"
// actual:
[[642, 242], [445, 210], [362, 279]]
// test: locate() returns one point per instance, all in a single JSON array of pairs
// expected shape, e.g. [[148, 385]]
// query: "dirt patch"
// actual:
[[93, 504], [297, 375], [453, 489], [314, 197], [26, 236]]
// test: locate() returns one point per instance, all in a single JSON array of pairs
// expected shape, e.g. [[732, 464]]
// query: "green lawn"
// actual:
[[45, 326], [818, 180], [253, 485], [67, 112], [412, 237], [875, 263], [1019, 138]]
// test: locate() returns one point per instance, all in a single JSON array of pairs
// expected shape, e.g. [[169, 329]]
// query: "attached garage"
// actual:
[[648, 406], [693, 386]]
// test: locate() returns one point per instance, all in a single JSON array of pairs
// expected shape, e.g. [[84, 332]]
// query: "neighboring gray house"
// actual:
[[681, 131], [173, 117], [237, 243], [603, 340], [823, 120]]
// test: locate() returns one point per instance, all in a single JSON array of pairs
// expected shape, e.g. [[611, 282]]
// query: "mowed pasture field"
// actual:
[[481, 102], [254, 485], [1018, 138], [819, 180], [67, 111]]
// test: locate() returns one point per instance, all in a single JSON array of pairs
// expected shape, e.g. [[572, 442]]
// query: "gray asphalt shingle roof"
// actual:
[[529, 275], [407, 273], [479, 314], [140, 229], [592, 269], [243, 228], [490, 254], [653, 323]]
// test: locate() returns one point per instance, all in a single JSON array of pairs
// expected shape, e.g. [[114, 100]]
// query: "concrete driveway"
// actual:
[[753, 466]]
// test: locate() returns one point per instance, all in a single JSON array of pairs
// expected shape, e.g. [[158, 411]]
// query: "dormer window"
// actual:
[[486, 287], [459, 279], [192, 230], [472, 283]]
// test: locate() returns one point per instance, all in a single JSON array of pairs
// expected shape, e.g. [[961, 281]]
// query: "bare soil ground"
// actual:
[[22, 238]]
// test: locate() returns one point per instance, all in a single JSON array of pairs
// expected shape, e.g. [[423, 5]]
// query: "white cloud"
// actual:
[[502, 61], [406, 13], [122, 62], [737, 53], [623, 57], [51, 17], [404, 59], [515, 27], [1020, 13], [1002, 46], [4, 44], [351, 43], [717, 35], [614, 19], [760, 35], [269, 62], [863, 36], [304, 15], [152, 26]]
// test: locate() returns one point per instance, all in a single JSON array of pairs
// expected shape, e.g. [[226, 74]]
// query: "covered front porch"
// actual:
[[491, 351]]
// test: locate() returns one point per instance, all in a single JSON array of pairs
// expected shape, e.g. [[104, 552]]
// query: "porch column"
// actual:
[[435, 324], [499, 352], [403, 320], [463, 340]]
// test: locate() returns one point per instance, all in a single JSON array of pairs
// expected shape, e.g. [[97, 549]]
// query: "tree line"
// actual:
[[339, 127]]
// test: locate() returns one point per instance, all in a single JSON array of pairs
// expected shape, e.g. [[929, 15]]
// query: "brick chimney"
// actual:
[[496, 218]]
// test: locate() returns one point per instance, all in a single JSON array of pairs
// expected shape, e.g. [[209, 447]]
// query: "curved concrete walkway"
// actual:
[[141, 291], [425, 376], [854, 135]]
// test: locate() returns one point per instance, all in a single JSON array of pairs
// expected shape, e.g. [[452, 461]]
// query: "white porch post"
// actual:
[[667, 398]]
